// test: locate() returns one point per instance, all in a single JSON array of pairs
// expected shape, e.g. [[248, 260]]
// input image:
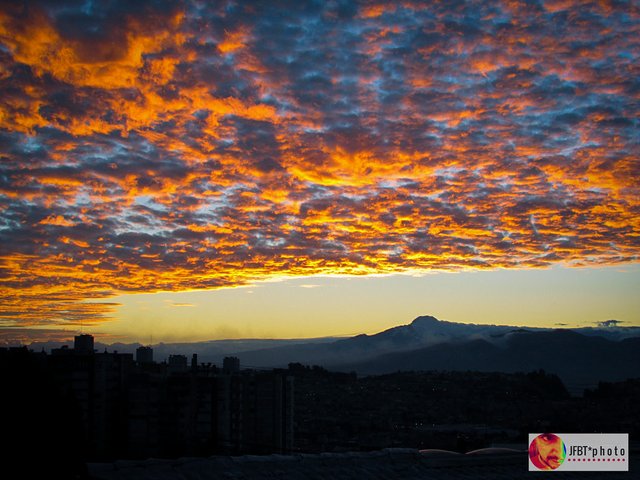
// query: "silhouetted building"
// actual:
[[167, 409], [63, 350], [145, 396], [41, 423], [177, 364], [254, 412], [194, 362], [83, 343], [98, 384], [144, 355], [231, 365]]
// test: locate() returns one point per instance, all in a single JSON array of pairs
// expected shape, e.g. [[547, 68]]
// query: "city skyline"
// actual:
[[189, 171]]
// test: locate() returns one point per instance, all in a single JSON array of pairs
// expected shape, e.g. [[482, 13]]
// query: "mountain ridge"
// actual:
[[430, 343], [579, 360]]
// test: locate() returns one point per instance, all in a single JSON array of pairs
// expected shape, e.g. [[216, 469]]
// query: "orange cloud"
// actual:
[[234, 41], [115, 63], [211, 147], [58, 220]]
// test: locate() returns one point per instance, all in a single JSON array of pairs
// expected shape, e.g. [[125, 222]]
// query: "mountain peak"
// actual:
[[425, 320]]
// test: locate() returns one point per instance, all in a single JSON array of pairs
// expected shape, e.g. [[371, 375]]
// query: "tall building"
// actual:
[[231, 365], [145, 398], [169, 410], [83, 343], [144, 355], [177, 364], [98, 383], [254, 412]]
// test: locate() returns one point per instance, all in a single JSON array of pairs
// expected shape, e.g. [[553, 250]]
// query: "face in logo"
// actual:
[[547, 451]]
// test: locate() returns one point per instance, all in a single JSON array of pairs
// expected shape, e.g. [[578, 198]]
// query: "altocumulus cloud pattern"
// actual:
[[178, 145]]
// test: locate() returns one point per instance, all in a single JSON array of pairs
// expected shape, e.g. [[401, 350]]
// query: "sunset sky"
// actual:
[[200, 170]]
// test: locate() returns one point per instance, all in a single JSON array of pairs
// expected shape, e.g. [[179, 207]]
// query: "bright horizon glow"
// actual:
[[342, 306]]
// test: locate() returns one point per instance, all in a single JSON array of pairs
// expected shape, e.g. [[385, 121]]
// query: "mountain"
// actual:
[[423, 331], [469, 341], [580, 357], [579, 360]]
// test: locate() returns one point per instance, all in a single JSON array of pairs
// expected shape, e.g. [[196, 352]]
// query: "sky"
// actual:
[[294, 169]]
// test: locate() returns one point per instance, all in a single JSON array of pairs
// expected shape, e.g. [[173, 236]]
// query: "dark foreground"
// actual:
[[405, 464], [78, 412]]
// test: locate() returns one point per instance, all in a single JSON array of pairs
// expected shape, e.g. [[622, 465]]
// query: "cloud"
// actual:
[[609, 323], [179, 305], [150, 146]]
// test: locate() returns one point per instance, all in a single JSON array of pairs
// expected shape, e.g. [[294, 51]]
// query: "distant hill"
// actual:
[[423, 332], [579, 360]]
